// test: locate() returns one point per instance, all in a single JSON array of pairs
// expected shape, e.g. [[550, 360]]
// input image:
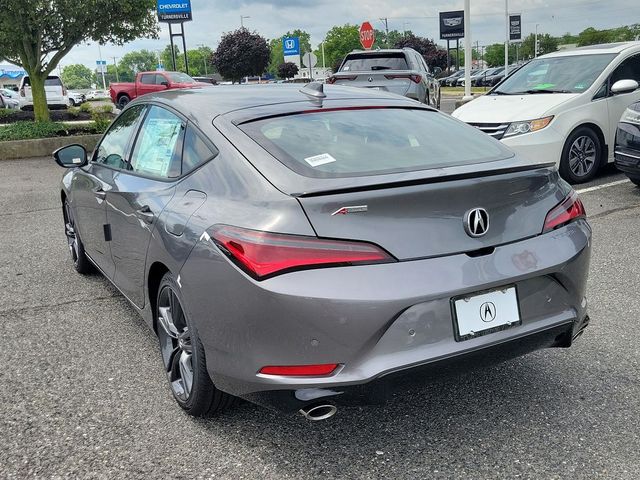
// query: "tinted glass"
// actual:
[[362, 142], [178, 77], [627, 70], [147, 79], [113, 147], [159, 143], [160, 79], [572, 74], [367, 62], [53, 82], [195, 151]]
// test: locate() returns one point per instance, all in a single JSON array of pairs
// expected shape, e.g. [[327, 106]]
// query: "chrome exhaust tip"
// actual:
[[318, 412]]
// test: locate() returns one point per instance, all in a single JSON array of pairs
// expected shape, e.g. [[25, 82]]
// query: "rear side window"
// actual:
[[369, 62], [348, 143], [53, 82], [148, 79], [196, 151]]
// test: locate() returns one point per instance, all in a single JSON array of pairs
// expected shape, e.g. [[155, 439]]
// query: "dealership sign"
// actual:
[[515, 27], [451, 25], [291, 46], [174, 11]]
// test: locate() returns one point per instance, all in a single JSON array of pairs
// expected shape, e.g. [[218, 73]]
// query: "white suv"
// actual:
[[562, 107], [54, 89]]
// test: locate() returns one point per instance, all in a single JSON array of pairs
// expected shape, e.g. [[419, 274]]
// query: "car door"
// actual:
[[91, 184], [148, 83], [629, 69], [140, 194]]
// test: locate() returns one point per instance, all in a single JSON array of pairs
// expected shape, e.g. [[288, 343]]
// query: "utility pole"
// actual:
[[104, 84], [116, 65], [386, 29], [242, 17], [204, 58], [535, 48], [506, 38], [324, 67]]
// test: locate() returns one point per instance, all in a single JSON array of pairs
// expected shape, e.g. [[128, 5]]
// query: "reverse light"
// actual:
[[566, 211], [631, 116], [528, 126], [300, 370], [413, 77], [265, 254]]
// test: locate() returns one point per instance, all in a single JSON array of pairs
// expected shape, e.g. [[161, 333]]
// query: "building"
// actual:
[[10, 75]]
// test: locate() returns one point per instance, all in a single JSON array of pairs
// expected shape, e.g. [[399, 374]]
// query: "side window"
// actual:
[[627, 70], [159, 145], [602, 92], [160, 79], [196, 151], [147, 79], [113, 148]]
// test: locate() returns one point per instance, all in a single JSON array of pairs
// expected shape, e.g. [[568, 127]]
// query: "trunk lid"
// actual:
[[426, 220], [393, 81]]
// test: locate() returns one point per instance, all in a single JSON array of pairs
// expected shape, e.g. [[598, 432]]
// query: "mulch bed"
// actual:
[[56, 116]]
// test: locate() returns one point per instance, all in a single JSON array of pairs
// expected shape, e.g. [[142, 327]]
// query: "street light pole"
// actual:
[[386, 29], [104, 85], [116, 65], [468, 50], [204, 58], [506, 37], [535, 51], [242, 17]]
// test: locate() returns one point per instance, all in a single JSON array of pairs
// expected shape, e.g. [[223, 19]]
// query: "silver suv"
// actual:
[[401, 71]]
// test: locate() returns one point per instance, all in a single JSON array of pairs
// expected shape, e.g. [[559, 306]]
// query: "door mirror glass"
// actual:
[[437, 71], [624, 86], [71, 156]]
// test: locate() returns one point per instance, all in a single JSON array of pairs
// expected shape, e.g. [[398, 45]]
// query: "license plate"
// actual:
[[486, 313]]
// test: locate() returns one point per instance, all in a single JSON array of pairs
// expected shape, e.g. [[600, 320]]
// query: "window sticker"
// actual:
[[321, 159], [157, 146]]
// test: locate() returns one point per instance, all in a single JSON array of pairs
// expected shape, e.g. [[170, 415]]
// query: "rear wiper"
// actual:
[[543, 90], [380, 67]]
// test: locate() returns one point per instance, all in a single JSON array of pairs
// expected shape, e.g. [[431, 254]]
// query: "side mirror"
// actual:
[[624, 86], [71, 156], [165, 84], [437, 71]]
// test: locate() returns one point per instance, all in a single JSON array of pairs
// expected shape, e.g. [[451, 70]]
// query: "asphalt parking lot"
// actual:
[[83, 393]]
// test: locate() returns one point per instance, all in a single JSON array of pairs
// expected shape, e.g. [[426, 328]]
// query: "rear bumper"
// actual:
[[376, 320]]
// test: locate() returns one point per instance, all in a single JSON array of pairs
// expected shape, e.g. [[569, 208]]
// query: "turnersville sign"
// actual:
[[174, 11]]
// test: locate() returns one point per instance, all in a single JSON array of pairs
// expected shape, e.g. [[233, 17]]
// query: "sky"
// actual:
[[273, 18]]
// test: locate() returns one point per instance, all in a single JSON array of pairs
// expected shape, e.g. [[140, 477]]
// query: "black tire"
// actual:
[[122, 101], [72, 102], [78, 256], [635, 180], [182, 351], [581, 156]]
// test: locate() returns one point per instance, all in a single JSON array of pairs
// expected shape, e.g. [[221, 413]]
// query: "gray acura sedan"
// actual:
[[300, 248]]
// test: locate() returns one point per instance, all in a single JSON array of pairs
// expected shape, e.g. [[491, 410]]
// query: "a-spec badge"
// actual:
[[352, 209]]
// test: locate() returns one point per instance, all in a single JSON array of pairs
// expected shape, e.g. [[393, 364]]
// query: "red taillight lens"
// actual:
[[567, 210], [414, 78], [264, 254], [300, 370]]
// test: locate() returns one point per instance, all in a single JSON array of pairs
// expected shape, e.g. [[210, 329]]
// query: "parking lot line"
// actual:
[[605, 185]]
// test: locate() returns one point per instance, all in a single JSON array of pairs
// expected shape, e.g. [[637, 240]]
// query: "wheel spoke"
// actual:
[[186, 372], [165, 318]]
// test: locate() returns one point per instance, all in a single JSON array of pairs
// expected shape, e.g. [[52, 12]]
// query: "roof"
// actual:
[[379, 50], [219, 100], [614, 48]]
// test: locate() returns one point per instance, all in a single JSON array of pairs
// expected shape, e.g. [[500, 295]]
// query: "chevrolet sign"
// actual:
[[172, 11]]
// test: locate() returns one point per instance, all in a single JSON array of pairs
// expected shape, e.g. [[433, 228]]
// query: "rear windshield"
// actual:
[[179, 77], [349, 143], [49, 82], [368, 62]]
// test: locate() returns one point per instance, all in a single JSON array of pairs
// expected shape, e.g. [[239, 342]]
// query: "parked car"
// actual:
[[148, 82], [451, 80], [562, 107], [493, 78], [208, 80], [9, 99], [400, 71], [300, 257], [97, 95], [460, 81], [76, 98], [54, 90], [627, 151]]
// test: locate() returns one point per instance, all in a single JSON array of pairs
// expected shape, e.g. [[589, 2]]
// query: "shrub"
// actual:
[[5, 112], [28, 130], [101, 119], [86, 107], [74, 111]]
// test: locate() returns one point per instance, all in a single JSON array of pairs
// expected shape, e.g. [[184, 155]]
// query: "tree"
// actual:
[[339, 41], [37, 34], [138, 61], [287, 70], [241, 54], [494, 55], [546, 44], [432, 53], [167, 62], [277, 52], [199, 61], [77, 76]]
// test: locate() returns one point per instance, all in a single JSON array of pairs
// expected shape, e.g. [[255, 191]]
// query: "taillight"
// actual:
[[265, 254], [567, 210], [300, 370], [413, 77], [64, 91]]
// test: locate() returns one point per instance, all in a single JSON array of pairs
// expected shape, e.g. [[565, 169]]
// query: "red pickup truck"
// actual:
[[147, 82]]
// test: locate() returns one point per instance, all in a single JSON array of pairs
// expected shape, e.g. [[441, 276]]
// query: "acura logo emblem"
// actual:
[[488, 312], [370, 79], [476, 222]]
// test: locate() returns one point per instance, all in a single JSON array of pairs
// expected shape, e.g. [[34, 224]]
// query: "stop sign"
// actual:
[[367, 35]]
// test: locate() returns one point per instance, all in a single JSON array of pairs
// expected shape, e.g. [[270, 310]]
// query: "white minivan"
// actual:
[[562, 107], [54, 89]]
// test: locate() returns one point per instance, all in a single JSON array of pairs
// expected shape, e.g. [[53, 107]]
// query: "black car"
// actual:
[[627, 152]]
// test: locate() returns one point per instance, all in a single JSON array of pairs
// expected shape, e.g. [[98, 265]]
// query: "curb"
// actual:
[[43, 147]]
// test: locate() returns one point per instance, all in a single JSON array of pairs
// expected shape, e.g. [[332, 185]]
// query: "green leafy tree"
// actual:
[[339, 41], [287, 70], [494, 55], [138, 61], [546, 44], [241, 54], [199, 61], [77, 76], [37, 34], [432, 53], [167, 63], [277, 51]]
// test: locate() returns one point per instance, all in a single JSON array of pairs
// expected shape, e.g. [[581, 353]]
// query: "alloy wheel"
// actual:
[[70, 232], [175, 344], [582, 156]]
